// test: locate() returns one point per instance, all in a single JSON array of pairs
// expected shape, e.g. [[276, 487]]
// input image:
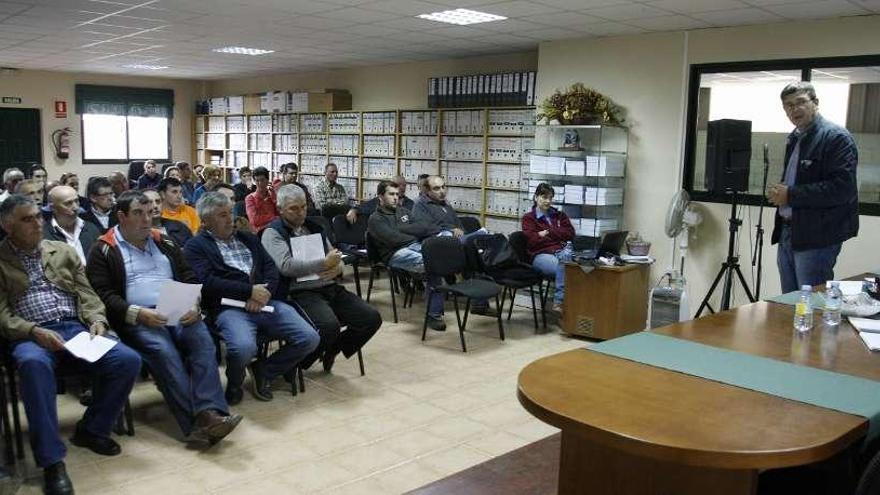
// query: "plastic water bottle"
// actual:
[[803, 310], [833, 300]]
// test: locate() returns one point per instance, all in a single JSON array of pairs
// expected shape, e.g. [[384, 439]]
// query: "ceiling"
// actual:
[[106, 35]]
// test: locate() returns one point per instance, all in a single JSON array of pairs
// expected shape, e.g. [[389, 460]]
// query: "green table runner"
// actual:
[[845, 393], [792, 298]]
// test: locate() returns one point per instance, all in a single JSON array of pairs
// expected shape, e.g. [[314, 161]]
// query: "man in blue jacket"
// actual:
[[234, 265], [817, 200]]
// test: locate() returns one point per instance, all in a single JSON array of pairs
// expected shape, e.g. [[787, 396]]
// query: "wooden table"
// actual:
[[607, 302], [633, 428]]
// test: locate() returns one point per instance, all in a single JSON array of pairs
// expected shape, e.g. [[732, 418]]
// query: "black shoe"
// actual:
[[56, 481], [95, 443], [261, 387], [484, 311], [328, 360], [85, 397], [233, 395], [436, 323]]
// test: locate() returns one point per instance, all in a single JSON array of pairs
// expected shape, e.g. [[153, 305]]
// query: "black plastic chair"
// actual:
[[331, 211], [377, 266], [325, 225], [470, 224], [445, 257], [519, 243], [350, 241]]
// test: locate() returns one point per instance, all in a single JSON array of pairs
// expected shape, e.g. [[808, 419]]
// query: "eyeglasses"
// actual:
[[799, 103]]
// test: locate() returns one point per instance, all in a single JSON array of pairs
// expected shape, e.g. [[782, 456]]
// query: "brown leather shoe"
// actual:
[[213, 427]]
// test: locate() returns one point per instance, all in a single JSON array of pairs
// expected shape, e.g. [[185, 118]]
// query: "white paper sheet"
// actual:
[[865, 324], [235, 303], [871, 340], [84, 346], [176, 299], [309, 249]]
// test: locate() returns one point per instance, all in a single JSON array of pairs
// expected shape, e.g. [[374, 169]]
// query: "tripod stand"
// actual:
[[758, 251], [729, 267]]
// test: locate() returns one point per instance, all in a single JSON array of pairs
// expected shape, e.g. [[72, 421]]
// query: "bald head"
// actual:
[[65, 203]]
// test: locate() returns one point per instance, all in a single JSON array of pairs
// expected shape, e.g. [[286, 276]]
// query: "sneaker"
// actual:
[[436, 323]]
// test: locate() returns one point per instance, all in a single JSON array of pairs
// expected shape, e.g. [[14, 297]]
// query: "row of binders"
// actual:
[[485, 90], [590, 166], [596, 196], [345, 122], [510, 149], [462, 198], [347, 166], [378, 145], [378, 168], [463, 173], [281, 159], [313, 143], [285, 142], [502, 175], [345, 144], [503, 202], [418, 146], [312, 164], [412, 169], [380, 123], [463, 147], [312, 122]]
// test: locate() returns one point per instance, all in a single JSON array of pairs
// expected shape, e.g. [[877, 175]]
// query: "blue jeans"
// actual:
[[552, 265], [409, 258], [807, 267], [240, 328], [183, 362], [113, 376]]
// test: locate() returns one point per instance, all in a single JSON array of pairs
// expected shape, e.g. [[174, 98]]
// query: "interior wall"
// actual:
[[386, 87], [40, 90], [647, 74]]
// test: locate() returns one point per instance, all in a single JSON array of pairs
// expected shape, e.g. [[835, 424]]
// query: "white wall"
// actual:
[[647, 74], [40, 90]]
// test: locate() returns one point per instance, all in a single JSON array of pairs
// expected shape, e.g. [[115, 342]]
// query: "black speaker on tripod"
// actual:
[[728, 152]]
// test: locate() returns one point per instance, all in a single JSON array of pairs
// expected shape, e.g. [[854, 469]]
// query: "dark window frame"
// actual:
[[805, 65], [112, 161]]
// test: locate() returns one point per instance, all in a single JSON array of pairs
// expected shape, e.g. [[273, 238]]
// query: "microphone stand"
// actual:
[[758, 251]]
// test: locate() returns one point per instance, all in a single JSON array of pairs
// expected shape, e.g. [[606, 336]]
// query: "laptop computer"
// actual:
[[610, 245]]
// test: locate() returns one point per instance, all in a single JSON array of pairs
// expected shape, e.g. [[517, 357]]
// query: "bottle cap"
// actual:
[[807, 287]]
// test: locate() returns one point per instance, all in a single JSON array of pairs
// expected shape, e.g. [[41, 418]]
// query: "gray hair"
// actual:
[[12, 202], [209, 202], [289, 192], [799, 87], [7, 175]]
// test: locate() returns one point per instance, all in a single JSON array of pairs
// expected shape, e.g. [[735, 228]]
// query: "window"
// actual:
[[123, 124], [848, 89]]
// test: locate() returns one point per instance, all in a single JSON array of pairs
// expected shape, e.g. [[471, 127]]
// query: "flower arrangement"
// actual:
[[580, 105]]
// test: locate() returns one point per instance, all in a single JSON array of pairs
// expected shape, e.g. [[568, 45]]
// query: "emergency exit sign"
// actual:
[[11, 99]]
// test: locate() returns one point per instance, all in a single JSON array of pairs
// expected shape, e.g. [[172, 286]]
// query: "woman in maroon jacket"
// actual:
[[548, 232]]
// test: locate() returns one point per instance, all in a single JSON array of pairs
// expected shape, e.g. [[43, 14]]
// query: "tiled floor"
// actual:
[[422, 412]]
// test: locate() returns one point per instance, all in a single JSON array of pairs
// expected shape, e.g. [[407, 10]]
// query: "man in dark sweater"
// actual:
[[127, 268], [397, 236], [234, 265], [151, 176], [176, 231]]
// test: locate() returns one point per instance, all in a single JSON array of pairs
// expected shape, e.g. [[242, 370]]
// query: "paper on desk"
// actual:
[[309, 249], [235, 303], [84, 346], [176, 299], [865, 324], [871, 340], [847, 287]]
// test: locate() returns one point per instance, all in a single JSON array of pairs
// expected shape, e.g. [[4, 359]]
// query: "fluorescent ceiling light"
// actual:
[[461, 17], [144, 66], [240, 50]]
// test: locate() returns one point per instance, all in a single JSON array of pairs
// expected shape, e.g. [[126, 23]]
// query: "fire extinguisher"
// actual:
[[61, 141]]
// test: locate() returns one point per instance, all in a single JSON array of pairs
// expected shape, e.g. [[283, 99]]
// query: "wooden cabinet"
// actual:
[[607, 302]]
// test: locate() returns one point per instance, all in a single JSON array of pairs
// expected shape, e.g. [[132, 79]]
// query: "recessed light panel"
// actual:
[[461, 17], [240, 50]]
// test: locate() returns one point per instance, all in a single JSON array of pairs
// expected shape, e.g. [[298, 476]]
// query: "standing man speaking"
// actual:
[[817, 200]]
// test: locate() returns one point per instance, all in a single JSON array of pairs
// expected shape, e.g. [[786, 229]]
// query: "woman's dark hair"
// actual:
[[543, 189], [34, 168]]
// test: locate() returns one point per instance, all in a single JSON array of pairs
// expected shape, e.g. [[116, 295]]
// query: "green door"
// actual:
[[20, 144]]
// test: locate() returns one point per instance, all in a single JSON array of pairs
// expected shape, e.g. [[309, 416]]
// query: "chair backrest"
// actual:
[[135, 169], [519, 243], [352, 234], [443, 256], [325, 224], [331, 211], [470, 224], [372, 249]]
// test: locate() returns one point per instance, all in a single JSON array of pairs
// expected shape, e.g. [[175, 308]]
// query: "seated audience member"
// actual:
[[198, 174], [212, 176], [329, 194], [173, 206], [548, 232], [172, 172], [66, 226], [176, 231], [119, 183], [260, 204], [150, 178], [38, 172], [366, 208], [245, 184], [290, 175], [422, 184], [71, 179], [239, 216], [127, 269], [46, 300], [329, 305], [187, 186], [32, 188], [101, 197], [11, 177], [234, 265], [398, 238]]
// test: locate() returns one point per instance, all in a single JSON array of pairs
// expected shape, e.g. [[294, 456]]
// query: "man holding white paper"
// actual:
[[46, 300], [234, 265], [129, 268]]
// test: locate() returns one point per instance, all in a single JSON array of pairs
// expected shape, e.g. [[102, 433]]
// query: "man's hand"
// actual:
[[544, 233], [351, 216], [261, 294], [331, 273], [190, 317], [333, 258], [253, 306], [97, 328], [48, 339], [151, 318], [457, 232], [778, 194]]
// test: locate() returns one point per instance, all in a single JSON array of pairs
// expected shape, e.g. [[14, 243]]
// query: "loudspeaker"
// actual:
[[728, 152]]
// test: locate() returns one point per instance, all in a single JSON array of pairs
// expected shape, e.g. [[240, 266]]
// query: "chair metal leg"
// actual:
[[542, 293], [16, 418], [361, 362], [373, 270], [467, 311], [500, 324], [357, 278], [534, 308], [6, 424], [512, 298], [425, 322], [393, 281], [302, 379], [458, 318]]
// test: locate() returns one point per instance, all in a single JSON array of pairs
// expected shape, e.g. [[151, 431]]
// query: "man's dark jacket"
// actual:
[[177, 231], [220, 280], [824, 200], [435, 213], [394, 229], [90, 217], [87, 236], [106, 272]]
